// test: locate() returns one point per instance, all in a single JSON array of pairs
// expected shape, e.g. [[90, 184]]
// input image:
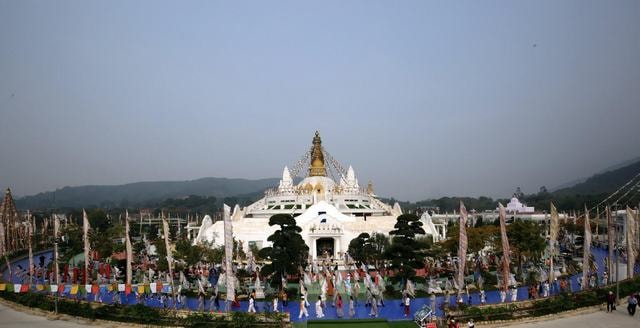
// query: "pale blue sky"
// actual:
[[424, 98]]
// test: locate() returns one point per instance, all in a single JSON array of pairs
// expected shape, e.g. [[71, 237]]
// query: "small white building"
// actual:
[[516, 207]]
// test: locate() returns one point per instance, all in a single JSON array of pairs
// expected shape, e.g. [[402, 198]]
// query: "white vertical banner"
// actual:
[[228, 253], [631, 237], [610, 241], [586, 250], [506, 251], [56, 227], [85, 229], [167, 245], [553, 236], [129, 249], [1, 239], [462, 248], [30, 229]]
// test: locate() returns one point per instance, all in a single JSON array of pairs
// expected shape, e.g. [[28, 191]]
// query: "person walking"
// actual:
[[319, 311], [633, 302], [611, 300], [339, 309], [275, 304], [503, 294], [433, 301], [352, 308], [303, 308], [214, 301], [407, 306], [252, 308]]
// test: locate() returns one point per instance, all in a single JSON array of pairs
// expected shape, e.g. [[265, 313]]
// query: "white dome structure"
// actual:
[[330, 214]]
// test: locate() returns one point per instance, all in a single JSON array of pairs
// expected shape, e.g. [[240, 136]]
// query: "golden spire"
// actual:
[[317, 168], [370, 188]]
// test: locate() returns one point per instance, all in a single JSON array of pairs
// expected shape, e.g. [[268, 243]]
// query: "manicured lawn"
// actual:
[[402, 324]]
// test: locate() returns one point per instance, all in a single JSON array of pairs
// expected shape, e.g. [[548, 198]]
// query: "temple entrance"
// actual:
[[324, 247]]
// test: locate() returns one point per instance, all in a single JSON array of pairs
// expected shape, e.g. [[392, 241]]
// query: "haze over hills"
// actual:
[[143, 193], [139, 193], [604, 182], [615, 167]]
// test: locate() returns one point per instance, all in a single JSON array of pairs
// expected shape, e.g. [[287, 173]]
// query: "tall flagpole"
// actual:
[[610, 242], [586, 250], [462, 249], [228, 254], [85, 229], [506, 258], [128, 248], [29, 241], [56, 227], [167, 244], [553, 235], [2, 250], [631, 249]]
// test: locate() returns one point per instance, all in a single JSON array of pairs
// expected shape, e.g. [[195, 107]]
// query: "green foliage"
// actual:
[[477, 238], [161, 251], [289, 250], [489, 313], [142, 314], [369, 249], [525, 237], [360, 247], [187, 253], [404, 252], [98, 220], [191, 203], [70, 242]]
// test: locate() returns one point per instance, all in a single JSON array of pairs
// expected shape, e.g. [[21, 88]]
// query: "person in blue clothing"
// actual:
[[633, 302]]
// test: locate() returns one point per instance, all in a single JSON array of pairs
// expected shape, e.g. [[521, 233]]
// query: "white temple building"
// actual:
[[515, 206], [330, 213]]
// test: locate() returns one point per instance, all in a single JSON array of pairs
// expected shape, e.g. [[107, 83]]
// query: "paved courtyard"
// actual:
[[617, 319]]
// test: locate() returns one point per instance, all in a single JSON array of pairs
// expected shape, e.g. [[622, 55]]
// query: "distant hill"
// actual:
[[574, 182], [604, 182], [141, 193]]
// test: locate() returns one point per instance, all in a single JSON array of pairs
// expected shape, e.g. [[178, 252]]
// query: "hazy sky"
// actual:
[[424, 98]]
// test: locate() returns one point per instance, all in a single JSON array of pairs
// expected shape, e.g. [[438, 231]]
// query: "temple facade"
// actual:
[[331, 213]]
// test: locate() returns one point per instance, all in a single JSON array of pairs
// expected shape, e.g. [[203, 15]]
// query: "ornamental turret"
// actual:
[[317, 168]]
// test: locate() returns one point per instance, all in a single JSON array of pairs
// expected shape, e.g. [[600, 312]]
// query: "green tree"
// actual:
[[288, 251], [360, 247], [525, 240], [404, 252], [70, 243], [98, 220], [186, 252], [379, 245], [477, 238]]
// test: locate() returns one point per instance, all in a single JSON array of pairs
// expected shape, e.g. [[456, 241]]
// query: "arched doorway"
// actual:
[[325, 247]]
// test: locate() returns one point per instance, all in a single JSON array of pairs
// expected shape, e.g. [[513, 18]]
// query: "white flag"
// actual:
[[228, 253], [462, 248], [586, 250], [85, 228], [128, 247]]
